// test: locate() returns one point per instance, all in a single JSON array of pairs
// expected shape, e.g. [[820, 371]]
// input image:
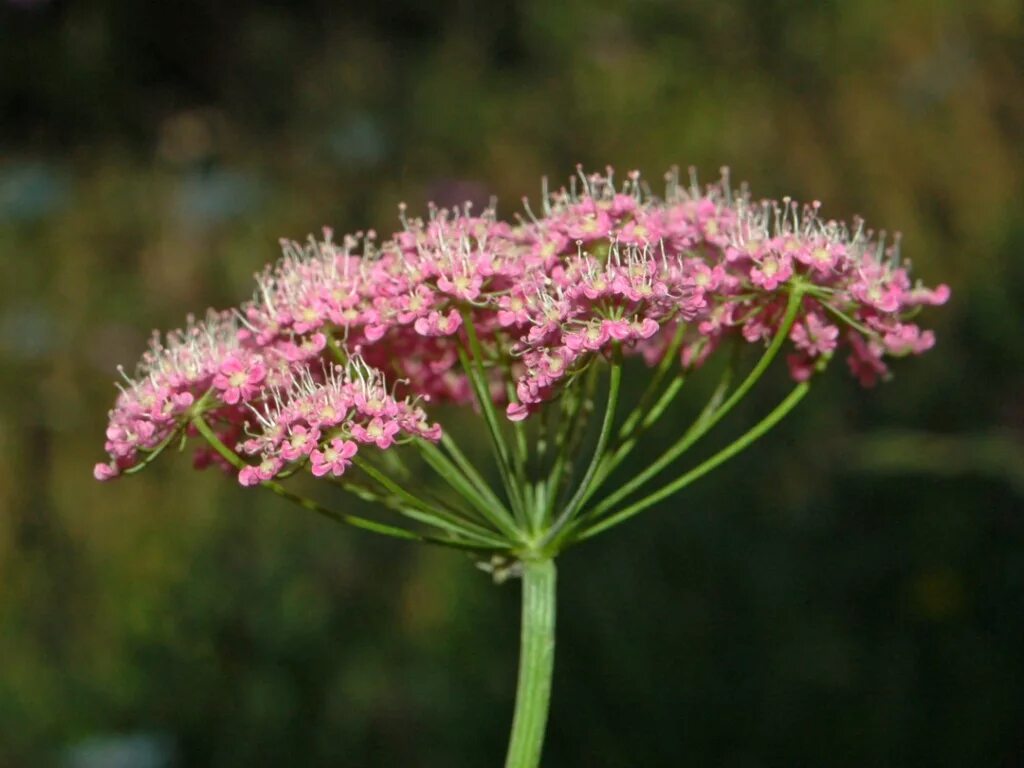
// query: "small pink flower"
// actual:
[[555, 364], [512, 311], [876, 290], [758, 327], [638, 233], [549, 246], [921, 295], [596, 286], [248, 476], [589, 226], [415, 304], [527, 390], [328, 414], [462, 286], [814, 335], [821, 257], [377, 431], [622, 205], [375, 403], [125, 438], [256, 474], [310, 317], [908, 339], [104, 472], [865, 361], [300, 442], [266, 442], [312, 346], [239, 380], [591, 337], [431, 432], [436, 324], [616, 329], [171, 405], [644, 328], [335, 457], [718, 318], [754, 248], [706, 278], [516, 411], [772, 270], [375, 332]]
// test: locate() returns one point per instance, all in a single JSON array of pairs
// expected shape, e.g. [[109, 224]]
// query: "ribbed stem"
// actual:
[[536, 663]]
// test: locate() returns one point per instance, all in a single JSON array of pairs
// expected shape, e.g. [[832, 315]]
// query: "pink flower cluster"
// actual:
[[173, 373], [603, 270], [324, 419]]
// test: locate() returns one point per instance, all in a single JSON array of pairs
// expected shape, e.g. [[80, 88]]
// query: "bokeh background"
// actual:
[[848, 593]]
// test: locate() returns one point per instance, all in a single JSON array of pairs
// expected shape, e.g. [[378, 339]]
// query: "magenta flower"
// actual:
[[771, 270], [908, 340], [814, 335], [268, 467], [865, 361], [104, 471], [822, 257], [333, 458], [588, 225], [437, 324], [299, 443], [462, 286], [238, 379], [381, 433], [592, 337]]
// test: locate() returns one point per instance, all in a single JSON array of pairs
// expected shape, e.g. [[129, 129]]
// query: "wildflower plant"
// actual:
[[350, 349]]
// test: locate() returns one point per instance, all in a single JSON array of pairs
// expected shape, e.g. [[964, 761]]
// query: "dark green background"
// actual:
[[848, 593]]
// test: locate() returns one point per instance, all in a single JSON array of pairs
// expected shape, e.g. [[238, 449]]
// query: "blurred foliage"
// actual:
[[838, 596]]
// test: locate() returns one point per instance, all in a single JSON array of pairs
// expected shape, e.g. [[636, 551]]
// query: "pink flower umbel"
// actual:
[[352, 348], [607, 272]]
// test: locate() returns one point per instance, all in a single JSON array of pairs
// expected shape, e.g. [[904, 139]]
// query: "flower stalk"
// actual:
[[536, 664]]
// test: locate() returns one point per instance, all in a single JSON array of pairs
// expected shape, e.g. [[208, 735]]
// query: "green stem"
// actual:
[[472, 474], [337, 351], [691, 436], [152, 455], [660, 372], [520, 451], [582, 491], [574, 415], [489, 508], [339, 517], [769, 421], [473, 364], [849, 320], [536, 664], [423, 511], [615, 457]]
